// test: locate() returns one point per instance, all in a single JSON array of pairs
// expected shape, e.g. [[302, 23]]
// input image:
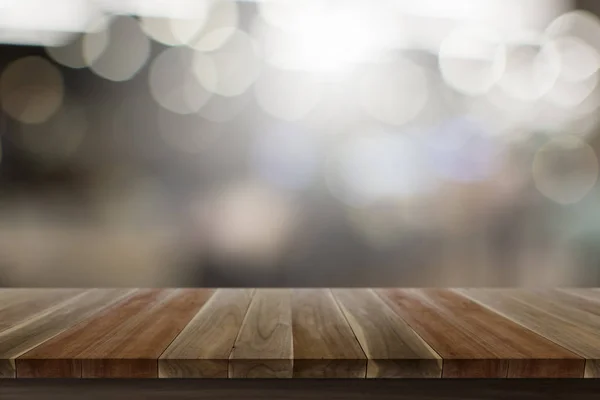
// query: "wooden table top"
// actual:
[[303, 333]]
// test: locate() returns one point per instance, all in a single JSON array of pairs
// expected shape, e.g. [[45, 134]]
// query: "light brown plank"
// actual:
[[123, 341], [476, 342], [324, 343], [393, 349], [18, 305], [50, 322], [203, 348], [592, 369], [569, 326], [263, 348]]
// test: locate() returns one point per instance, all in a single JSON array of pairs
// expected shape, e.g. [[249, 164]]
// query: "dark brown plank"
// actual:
[[570, 323], [123, 341], [324, 343], [51, 321], [477, 342], [263, 348], [203, 348], [393, 349]]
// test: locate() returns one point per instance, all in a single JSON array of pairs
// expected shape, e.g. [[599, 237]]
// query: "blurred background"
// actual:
[[299, 143]]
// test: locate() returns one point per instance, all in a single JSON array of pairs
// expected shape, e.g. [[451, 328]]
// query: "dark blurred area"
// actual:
[[299, 143]]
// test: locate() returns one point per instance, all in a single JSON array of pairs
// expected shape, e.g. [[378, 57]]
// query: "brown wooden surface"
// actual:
[[17, 305], [49, 322], [123, 341], [324, 343], [263, 348], [392, 347], [570, 321], [300, 333], [203, 348], [476, 342]]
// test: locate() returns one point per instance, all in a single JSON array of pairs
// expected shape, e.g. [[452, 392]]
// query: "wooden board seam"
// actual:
[[336, 301]]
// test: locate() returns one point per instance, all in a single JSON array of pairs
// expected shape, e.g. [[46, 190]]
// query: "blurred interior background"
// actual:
[[299, 143]]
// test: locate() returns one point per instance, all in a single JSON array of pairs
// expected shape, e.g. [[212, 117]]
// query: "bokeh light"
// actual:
[[249, 224], [31, 90], [531, 69], [287, 95], [472, 59], [58, 138], [211, 31], [234, 66], [118, 52], [381, 142], [394, 92], [69, 55], [565, 169], [223, 109], [173, 83], [579, 24]]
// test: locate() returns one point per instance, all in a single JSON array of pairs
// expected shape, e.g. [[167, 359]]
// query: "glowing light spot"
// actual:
[[472, 59], [287, 95], [236, 66], [249, 223], [118, 52], [31, 90], [173, 83], [572, 94], [565, 169], [578, 23], [176, 26], [69, 55], [223, 109], [531, 71], [578, 60], [58, 138], [214, 29]]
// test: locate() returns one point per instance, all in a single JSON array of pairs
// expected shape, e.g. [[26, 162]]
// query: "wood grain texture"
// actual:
[[123, 341], [324, 343], [592, 369], [477, 342], [26, 335], [203, 348], [393, 349], [569, 326], [18, 305], [264, 346]]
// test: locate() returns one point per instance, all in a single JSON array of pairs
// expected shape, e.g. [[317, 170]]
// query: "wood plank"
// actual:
[[124, 341], [50, 322], [18, 305], [477, 342], [560, 324], [324, 343], [393, 349], [592, 369], [264, 346], [203, 348]]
